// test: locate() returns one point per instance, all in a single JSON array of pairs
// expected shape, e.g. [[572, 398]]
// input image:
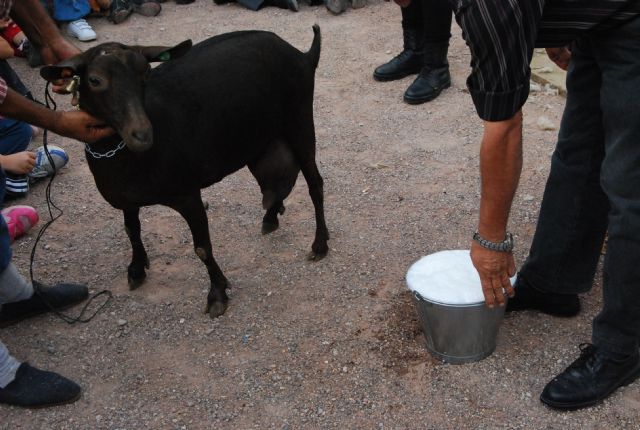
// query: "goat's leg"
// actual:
[[270, 221], [192, 210], [139, 260], [319, 248]]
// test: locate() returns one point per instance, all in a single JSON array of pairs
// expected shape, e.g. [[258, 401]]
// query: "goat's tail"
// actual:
[[314, 52]]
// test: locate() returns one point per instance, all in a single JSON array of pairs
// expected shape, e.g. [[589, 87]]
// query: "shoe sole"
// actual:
[[633, 375], [48, 405], [419, 101], [83, 39], [148, 9]]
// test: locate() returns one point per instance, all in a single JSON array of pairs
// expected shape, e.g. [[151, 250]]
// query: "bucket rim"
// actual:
[[419, 297]]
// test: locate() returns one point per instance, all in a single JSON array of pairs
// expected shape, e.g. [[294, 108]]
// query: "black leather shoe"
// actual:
[[428, 85], [408, 62], [590, 379], [527, 298], [58, 297], [146, 7], [120, 11], [336, 7], [35, 388]]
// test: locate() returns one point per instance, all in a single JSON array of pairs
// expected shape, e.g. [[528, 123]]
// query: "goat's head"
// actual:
[[111, 85]]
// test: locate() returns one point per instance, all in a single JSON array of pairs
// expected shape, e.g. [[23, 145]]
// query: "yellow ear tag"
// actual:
[[165, 56], [72, 86]]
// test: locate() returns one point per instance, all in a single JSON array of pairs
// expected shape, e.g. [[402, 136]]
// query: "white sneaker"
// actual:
[[81, 30]]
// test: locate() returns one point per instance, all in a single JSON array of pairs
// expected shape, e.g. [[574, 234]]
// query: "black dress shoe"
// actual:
[[428, 85], [528, 298], [336, 7], [35, 388], [43, 300], [146, 7], [293, 5], [590, 379]]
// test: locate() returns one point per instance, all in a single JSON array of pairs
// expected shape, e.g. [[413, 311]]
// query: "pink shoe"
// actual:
[[19, 219]]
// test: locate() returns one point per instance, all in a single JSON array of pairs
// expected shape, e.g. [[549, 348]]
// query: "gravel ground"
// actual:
[[319, 345]]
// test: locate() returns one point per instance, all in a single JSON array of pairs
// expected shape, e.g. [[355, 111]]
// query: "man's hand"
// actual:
[[495, 268], [81, 126], [19, 163], [560, 56]]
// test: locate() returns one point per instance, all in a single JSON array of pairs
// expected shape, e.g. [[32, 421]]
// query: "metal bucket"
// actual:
[[459, 334]]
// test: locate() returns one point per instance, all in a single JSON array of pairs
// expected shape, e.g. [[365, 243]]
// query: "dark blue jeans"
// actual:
[[594, 186]]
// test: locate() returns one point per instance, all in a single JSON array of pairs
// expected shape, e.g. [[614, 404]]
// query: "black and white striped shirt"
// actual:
[[502, 35]]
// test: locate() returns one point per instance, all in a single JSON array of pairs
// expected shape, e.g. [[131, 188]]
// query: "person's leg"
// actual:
[[15, 137], [617, 327], [13, 288], [613, 359], [410, 60], [283, 4], [434, 76], [8, 366], [20, 383], [41, 31], [572, 223], [251, 4]]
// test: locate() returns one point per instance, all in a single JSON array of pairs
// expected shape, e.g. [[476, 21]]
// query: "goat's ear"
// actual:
[[65, 69], [163, 53]]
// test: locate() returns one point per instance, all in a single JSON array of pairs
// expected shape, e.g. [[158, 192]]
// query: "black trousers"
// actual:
[[594, 186], [431, 17]]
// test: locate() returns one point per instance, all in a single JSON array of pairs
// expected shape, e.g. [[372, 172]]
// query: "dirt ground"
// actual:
[[334, 344]]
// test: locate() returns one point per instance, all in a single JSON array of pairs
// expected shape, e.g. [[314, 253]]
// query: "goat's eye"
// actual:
[[94, 82]]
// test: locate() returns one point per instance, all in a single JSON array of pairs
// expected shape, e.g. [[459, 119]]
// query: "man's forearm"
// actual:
[[20, 108], [500, 167]]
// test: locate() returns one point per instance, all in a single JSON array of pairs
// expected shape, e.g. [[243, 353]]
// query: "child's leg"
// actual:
[[14, 35], [6, 50], [15, 137]]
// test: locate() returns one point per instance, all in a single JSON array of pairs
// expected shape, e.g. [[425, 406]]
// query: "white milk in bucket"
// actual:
[[457, 325]]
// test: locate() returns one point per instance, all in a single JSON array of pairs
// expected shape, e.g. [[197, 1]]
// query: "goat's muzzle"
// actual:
[[138, 138]]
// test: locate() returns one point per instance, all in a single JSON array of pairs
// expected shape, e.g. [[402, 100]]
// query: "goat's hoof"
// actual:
[[281, 210], [316, 256], [135, 283], [216, 309], [136, 276], [268, 227]]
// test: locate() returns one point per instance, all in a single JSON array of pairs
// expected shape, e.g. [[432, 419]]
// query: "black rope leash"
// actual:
[[37, 287]]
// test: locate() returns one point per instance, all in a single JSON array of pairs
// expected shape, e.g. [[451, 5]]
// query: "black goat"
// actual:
[[234, 100]]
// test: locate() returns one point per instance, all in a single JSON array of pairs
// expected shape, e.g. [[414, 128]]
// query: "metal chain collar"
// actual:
[[110, 153]]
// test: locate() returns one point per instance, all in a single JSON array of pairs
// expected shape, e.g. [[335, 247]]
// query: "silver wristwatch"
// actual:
[[505, 246]]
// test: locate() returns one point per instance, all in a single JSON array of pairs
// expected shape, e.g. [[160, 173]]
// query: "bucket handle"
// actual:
[[418, 296]]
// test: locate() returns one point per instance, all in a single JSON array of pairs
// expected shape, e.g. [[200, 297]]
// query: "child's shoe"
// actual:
[[19, 219]]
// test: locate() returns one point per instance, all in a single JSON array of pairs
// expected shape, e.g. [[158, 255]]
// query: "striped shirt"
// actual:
[[502, 35]]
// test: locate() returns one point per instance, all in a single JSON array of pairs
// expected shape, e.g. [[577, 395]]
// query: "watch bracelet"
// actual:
[[505, 246]]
